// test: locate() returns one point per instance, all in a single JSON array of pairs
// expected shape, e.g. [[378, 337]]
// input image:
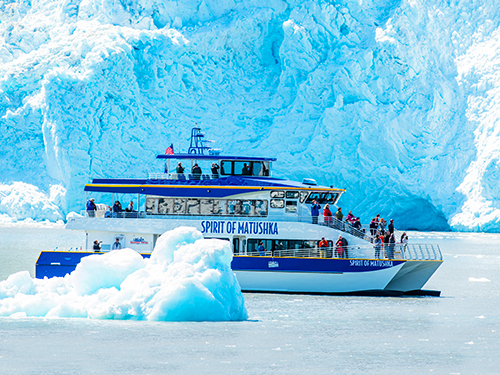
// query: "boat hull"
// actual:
[[295, 275]]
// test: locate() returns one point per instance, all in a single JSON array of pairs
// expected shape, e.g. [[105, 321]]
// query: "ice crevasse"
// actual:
[[394, 100]]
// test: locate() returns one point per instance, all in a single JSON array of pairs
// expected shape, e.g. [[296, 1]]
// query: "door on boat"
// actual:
[[239, 244]]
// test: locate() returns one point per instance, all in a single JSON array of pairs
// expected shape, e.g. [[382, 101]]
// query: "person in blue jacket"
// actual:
[[261, 249], [91, 207], [315, 211]]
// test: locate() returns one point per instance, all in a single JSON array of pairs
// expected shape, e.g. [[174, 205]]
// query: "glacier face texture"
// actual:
[[396, 101]]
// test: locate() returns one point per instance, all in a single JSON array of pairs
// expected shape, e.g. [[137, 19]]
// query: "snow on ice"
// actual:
[[394, 100], [187, 278]]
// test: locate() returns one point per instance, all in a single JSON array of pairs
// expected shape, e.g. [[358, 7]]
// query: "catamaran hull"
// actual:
[[295, 275]]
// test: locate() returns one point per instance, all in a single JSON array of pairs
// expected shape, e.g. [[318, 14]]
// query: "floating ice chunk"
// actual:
[[480, 280], [187, 278]]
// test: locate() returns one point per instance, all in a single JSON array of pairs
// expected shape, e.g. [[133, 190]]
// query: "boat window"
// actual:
[[303, 196], [165, 206], [226, 167], [206, 206], [322, 197], [219, 207], [277, 194], [246, 208], [193, 206], [277, 203], [151, 205], [292, 194], [234, 207], [242, 168], [261, 168], [260, 208], [179, 206], [291, 207]]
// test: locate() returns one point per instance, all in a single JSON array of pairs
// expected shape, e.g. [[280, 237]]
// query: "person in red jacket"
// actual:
[[323, 245], [327, 215]]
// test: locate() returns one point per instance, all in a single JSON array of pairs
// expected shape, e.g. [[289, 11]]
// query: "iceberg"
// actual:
[[394, 100], [187, 278]]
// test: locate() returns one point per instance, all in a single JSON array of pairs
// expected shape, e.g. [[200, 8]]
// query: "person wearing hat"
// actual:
[[179, 168], [91, 207], [391, 227], [97, 246]]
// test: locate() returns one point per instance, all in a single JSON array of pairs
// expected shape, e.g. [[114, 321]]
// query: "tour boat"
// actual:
[[242, 202]]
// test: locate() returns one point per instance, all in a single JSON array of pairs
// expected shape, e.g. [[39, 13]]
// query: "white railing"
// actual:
[[387, 252]]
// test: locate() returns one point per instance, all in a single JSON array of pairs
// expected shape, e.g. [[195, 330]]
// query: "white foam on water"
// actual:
[[187, 278], [479, 280]]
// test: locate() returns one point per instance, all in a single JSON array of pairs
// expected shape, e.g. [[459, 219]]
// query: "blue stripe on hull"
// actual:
[[57, 264], [330, 265]]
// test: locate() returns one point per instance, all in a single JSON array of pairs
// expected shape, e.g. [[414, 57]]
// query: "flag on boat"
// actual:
[[170, 150]]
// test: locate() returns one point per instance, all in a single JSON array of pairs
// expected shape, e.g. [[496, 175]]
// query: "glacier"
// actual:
[[396, 101]]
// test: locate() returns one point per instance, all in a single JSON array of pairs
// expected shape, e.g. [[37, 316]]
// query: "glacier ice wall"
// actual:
[[393, 100]]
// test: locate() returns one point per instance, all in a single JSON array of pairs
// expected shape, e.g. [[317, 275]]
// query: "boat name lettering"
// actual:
[[370, 263], [139, 241], [238, 227]]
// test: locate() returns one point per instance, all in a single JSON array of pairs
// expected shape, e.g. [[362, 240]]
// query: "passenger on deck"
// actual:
[[323, 245], [378, 245], [391, 227], [215, 170], [117, 245], [222, 168], [130, 207], [261, 249], [377, 219], [392, 244], [340, 247], [404, 238], [327, 214], [91, 207], [97, 246], [315, 211], [373, 227], [339, 216], [357, 223], [179, 168], [246, 170], [196, 171], [117, 209], [350, 218], [381, 226]]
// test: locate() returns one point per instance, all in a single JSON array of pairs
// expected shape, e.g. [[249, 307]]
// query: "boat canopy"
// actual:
[[212, 157]]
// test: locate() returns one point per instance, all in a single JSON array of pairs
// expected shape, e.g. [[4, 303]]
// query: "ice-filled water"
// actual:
[[187, 278], [394, 100], [458, 333]]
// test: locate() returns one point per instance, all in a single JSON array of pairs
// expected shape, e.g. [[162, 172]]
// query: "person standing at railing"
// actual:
[[390, 247], [327, 215], [215, 170], [196, 171], [381, 226], [373, 227], [91, 207], [339, 216], [341, 247], [391, 226], [179, 168], [378, 245], [315, 211], [404, 243], [323, 245], [261, 249], [117, 209]]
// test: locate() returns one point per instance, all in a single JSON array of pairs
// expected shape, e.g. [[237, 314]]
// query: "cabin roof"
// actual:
[[213, 157]]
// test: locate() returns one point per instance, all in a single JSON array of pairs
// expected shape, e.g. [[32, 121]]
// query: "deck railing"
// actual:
[[398, 251]]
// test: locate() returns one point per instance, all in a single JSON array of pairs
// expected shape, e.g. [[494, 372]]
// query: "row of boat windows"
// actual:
[[306, 197], [272, 244], [193, 206]]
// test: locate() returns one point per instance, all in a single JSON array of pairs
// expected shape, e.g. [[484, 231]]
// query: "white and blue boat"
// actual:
[[242, 202]]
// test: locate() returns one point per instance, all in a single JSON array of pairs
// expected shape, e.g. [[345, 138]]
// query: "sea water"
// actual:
[[457, 333]]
